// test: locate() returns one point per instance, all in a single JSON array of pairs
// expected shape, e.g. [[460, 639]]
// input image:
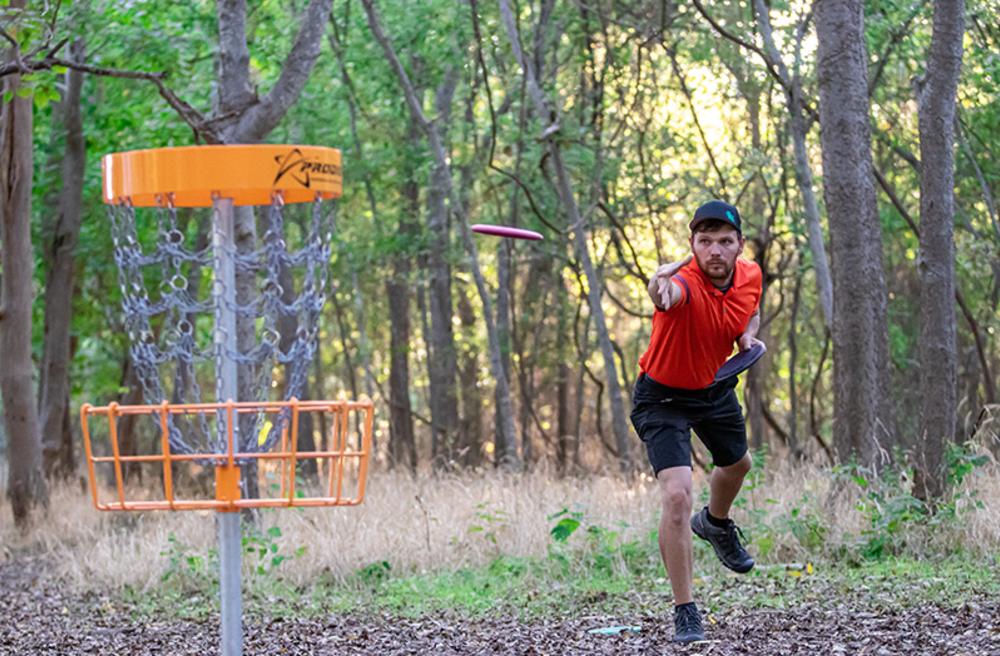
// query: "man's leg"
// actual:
[[675, 530], [724, 433], [725, 484], [664, 427]]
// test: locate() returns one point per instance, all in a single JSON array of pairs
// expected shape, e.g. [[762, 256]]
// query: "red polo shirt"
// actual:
[[693, 338]]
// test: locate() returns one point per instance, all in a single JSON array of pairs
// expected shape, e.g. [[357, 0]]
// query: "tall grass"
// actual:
[[431, 523]]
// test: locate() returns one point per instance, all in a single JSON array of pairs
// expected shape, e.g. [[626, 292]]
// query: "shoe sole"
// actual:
[[687, 642], [694, 529]]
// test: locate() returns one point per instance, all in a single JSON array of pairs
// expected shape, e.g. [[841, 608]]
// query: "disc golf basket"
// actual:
[[209, 304]]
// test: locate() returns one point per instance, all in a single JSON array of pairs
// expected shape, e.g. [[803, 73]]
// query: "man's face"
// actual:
[[716, 252]]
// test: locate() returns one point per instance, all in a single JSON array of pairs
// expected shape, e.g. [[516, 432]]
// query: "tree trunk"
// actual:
[[443, 363], [53, 395], [568, 201], [938, 343], [402, 441], [363, 349], [579, 400], [527, 342], [511, 339], [346, 346], [244, 116], [863, 422], [565, 429], [804, 179], [25, 486], [793, 352], [506, 452], [757, 376], [471, 425], [127, 434]]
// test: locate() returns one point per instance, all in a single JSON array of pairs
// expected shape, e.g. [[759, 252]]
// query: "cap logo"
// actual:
[[729, 215]]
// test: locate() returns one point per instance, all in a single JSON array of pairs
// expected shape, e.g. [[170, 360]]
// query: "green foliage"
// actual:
[[489, 523], [890, 509], [602, 552], [187, 569], [802, 522], [893, 514], [808, 528], [531, 588], [375, 572], [263, 554], [961, 460], [567, 524], [893, 522]]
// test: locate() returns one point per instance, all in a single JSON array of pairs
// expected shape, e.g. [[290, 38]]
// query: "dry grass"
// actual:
[[438, 523]]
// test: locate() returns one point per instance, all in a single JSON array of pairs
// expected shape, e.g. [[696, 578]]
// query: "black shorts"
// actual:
[[664, 416]]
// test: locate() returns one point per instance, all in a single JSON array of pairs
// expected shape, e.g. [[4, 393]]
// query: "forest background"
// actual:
[[863, 163]]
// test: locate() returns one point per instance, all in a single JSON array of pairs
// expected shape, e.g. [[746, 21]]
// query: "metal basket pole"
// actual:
[[223, 244]]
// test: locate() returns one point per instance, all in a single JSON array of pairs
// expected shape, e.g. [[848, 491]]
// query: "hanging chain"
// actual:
[[171, 344]]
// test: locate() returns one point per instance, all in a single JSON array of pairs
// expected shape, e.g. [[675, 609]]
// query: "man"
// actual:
[[704, 304]]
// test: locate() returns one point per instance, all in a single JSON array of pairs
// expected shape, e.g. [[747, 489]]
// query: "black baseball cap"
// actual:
[[719, 210]]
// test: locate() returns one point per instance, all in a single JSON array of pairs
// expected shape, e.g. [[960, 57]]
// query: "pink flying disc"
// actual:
[[506, 231]]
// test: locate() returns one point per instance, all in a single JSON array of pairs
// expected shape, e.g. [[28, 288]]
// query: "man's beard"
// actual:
[[717, 270]]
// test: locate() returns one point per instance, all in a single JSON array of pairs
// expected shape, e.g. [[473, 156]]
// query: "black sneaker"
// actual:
[[725, 540], [687, 624]]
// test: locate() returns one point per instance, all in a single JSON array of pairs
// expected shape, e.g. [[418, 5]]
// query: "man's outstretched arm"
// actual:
[[664, 292]]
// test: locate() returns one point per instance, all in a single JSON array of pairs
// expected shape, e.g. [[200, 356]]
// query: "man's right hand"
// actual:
[[661, 291]]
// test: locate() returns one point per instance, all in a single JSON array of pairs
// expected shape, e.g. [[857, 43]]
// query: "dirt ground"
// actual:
[[41, 617]]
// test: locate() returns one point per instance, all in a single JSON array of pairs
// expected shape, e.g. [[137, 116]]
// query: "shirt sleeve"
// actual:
[[685, 291]]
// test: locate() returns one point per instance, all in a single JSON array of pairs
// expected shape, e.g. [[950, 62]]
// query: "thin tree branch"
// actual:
[[694, 115], [770, 65], [195, 119], [775, 426], [627, 310], [621, 229], [474, 11], [743, 44], [991, 206], [813, 423], [896, 36]]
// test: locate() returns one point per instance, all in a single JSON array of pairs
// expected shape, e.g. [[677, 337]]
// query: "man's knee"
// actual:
[[741, 467], [677, 501]]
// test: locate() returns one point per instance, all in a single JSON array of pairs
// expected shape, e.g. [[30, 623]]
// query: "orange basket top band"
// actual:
[[193, 176]]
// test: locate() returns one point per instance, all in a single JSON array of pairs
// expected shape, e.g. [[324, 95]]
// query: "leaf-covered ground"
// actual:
[[43, 617]]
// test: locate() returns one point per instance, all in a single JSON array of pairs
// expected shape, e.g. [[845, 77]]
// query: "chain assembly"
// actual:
[[172, 297]]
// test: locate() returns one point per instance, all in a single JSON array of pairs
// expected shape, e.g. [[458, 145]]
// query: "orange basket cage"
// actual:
[[339, 464]]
